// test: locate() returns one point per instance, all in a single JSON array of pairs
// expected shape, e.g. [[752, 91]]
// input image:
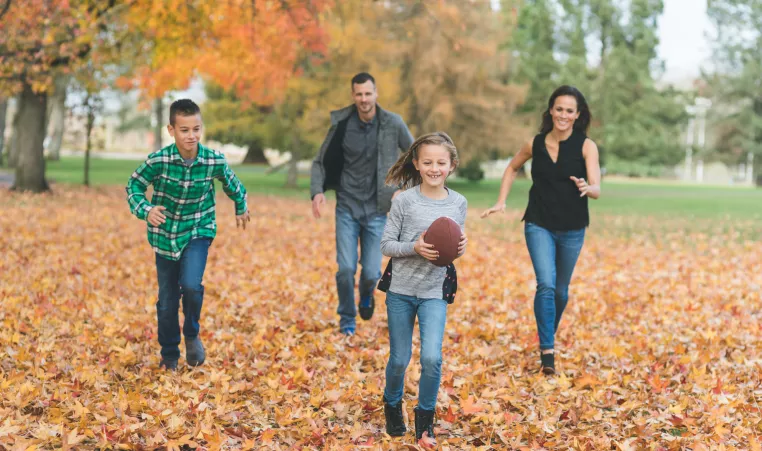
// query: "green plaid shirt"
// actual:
[[187, 193]]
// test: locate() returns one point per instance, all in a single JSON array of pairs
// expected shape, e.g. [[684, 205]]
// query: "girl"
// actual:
[[565, 172], [417, 287]]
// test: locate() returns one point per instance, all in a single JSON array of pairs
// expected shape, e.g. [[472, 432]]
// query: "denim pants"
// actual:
[[553, 254], [348, 232], [177, 279], [432, 315]]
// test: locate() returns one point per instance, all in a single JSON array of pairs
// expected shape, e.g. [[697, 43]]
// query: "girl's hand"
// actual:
[[425, 249], [462, 244], [497, 208]]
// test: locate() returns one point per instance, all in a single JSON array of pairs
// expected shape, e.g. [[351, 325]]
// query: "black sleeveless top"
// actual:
[[554, 201]]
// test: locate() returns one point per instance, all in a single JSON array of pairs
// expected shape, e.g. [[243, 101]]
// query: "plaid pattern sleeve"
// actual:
[[136, 190], [232, 187], [186, 192]]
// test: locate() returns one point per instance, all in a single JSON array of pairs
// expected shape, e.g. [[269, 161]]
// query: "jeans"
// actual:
[[348, 231], [176, 279], [432, 315], [553, 254]]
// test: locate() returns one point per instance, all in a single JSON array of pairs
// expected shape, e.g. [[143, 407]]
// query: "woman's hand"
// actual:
[[497, 208]]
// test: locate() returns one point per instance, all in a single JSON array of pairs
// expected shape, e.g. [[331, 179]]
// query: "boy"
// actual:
[[181, 225]]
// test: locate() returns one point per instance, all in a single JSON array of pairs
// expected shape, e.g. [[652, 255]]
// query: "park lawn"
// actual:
[[667, 200]]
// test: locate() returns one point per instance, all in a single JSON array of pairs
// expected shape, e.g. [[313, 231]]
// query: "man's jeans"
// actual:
[[554, 255], [432, 315], [348, 231], [176, 279]]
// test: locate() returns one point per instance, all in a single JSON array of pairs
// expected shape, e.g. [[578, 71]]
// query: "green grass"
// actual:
[[618, 198]]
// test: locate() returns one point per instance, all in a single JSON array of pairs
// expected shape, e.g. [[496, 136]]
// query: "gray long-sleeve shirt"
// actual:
[[411, 214]]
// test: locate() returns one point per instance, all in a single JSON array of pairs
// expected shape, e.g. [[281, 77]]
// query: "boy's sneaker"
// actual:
[[366, 307], [348, 331], [194, 351], [168, 365]]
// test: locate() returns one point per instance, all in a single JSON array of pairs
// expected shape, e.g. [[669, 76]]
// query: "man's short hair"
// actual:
[[361, 78], [183, 107]]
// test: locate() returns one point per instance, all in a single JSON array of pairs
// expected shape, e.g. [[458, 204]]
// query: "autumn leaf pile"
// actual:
[[659, 347]]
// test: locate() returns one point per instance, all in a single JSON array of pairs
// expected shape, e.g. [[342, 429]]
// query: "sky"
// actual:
[[683, 45]]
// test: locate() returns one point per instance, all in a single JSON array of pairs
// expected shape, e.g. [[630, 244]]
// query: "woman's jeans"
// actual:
[[553, 254], [432, 315]]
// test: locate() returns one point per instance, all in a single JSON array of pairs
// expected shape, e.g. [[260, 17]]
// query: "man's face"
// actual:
[[365, 96], [186, 131]]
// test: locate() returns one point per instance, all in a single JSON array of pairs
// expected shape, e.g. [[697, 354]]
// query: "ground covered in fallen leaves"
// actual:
[[659, 347]]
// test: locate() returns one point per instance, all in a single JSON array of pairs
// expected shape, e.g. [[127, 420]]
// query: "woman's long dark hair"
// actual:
[[583, 121]]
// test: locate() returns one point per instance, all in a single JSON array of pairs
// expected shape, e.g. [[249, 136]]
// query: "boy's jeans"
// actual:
[[432, 315], [554, 255], [180, 278], [348, 231]]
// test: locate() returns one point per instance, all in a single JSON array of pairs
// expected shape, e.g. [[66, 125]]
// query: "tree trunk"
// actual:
[[293, 171], [89, 131], [255, 154], [158, 110], [13, 143], [57, 116], [30, 120], [3, 111]]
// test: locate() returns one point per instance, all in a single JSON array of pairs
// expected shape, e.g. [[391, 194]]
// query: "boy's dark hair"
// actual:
[[361, 78], [183, 107]]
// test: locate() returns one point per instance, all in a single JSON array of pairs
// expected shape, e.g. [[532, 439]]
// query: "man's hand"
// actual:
[[241, 220], [156, 217], [462, 244], [425, 249], [317, 202]]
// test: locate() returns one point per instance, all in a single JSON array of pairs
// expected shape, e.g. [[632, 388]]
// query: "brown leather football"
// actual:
[[444, 234]]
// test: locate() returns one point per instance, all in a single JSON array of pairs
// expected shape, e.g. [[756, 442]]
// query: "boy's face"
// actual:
[[186, 131]]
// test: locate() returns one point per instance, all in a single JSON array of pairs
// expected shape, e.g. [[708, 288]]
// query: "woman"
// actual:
[[565, 172]]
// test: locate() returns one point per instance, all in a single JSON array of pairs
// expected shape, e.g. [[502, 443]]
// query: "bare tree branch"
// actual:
[[5, 8]]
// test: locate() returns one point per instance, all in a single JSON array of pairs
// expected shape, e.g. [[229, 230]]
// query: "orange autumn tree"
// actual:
[[248, 47], [40, 39]]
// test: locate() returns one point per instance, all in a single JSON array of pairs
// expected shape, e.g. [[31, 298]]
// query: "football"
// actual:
[[444, 234]]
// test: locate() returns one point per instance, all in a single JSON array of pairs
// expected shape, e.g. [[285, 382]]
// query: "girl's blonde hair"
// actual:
[[404, 174]]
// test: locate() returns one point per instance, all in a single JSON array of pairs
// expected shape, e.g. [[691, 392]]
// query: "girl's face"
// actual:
[[434, 164], [564, 113]]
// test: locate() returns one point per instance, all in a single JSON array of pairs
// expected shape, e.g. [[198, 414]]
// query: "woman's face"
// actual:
[[564, 113]]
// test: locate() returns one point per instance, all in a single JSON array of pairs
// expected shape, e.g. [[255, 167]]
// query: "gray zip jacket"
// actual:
[[393, 137]]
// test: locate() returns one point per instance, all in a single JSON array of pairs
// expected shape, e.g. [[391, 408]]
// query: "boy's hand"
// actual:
[[156, 217], [425, 249], [241, 220], [462, 244]]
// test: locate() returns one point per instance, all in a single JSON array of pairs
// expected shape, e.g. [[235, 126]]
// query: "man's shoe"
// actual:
[[194, 351], [168, 365], [395, 422], [366, 307]]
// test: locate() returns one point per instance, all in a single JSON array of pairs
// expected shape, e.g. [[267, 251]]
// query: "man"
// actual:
[[181, 225], [363, 142]]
